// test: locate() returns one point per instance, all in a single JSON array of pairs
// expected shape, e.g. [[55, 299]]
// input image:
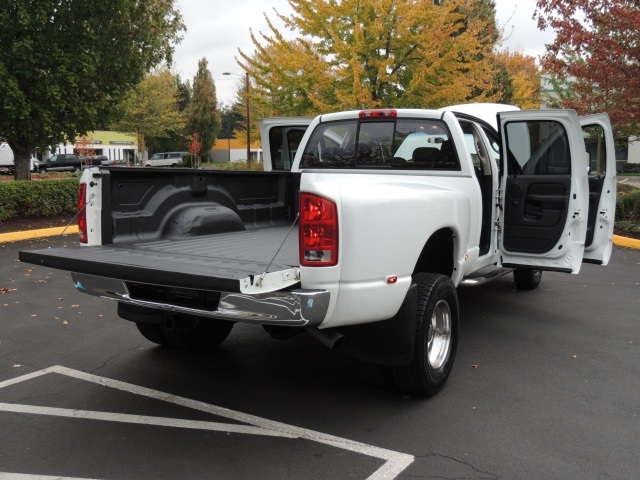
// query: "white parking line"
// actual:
[[395, 462], [139, 419]]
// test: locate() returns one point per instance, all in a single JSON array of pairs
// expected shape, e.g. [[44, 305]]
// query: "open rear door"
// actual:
[[544, 190], [601, 158]]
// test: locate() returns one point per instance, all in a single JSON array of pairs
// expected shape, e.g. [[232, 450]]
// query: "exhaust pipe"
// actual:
[[329, 338]]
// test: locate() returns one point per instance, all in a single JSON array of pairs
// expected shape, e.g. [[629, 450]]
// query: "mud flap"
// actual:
[[388, 342]]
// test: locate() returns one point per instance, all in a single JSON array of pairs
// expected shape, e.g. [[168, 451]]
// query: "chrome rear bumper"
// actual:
[[302, 308]]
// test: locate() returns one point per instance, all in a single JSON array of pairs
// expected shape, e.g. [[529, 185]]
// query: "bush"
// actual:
[[44, 198], [188, 160], [239, 166], [631, 168], [628, 205]]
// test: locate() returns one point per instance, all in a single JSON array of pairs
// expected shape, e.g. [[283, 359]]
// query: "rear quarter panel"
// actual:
[[385, 220]]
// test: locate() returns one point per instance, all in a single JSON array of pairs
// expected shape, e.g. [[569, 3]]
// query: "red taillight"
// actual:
[[82, 217], [318, 231], [379, 113]]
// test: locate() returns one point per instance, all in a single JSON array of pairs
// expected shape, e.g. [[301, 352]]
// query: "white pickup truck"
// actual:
[[363, 243]]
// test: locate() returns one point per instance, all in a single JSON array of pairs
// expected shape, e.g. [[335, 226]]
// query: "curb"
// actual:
[[43, 232], [626, 242]]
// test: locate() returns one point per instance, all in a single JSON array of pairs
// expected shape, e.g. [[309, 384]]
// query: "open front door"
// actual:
[[544, 190], [280, 138], [601, 158]]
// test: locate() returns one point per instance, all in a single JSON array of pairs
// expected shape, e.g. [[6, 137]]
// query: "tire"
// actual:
[[42, 170], [152, 332], [174, 165], [436, 336], [527, 278], [76, 169], [206, 334]]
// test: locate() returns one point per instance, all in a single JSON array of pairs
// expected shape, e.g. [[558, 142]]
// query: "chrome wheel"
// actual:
[[439, 339]]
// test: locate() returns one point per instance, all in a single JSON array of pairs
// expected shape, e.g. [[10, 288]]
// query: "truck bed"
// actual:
[[210, 262]]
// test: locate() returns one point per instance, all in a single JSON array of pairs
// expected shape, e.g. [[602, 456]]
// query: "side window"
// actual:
[[275, 146], [54, 159], [594, 143], [537, 148], [282, 154], [493, 142], [294, 137]]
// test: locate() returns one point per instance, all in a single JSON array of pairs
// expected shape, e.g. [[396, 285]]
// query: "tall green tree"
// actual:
[[232, 119], [203, 115], [594, 60], [370, 53], [151, 109], [65, 63]]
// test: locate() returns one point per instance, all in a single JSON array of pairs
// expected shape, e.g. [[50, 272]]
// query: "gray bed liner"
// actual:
[[211, 262]]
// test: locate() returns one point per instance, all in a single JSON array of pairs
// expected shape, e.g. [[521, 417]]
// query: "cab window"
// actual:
[[400, 144]]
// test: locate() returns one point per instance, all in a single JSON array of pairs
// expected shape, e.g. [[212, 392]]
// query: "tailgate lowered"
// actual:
[[218, 276]]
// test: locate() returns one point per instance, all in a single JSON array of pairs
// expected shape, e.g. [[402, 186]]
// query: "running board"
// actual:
[[479, 278]]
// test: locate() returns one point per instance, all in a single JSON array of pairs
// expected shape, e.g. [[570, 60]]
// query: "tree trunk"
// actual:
[[21, 163]]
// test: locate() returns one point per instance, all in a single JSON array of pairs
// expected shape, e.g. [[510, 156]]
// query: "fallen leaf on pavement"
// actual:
[[475, 366]]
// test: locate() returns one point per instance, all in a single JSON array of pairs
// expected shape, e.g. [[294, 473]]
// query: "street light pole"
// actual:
[[246, 87], [248, 124]]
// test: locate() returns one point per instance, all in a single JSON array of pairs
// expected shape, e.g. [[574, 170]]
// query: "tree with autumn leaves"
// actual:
[[594, 60], [363, 54], [150, 110]]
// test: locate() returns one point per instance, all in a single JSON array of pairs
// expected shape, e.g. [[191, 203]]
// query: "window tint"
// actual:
[[332, 145], [375, 143], [538, 148], [294, 137], [422, 144], [594, 143], [282, 154]]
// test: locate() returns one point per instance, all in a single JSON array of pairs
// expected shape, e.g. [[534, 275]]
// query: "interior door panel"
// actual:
[[538, 208]]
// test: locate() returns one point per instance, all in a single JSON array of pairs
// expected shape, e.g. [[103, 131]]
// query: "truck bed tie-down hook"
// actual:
[[259, 282]]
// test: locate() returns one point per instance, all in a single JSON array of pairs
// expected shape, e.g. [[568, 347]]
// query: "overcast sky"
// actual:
[[216, 32]]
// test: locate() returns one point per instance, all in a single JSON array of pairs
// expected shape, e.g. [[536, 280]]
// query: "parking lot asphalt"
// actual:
[[546, 385]]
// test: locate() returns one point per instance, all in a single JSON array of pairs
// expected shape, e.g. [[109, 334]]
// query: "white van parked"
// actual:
[[165, 159]]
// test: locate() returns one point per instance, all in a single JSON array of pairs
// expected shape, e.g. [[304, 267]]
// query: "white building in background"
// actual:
[[120, 147]]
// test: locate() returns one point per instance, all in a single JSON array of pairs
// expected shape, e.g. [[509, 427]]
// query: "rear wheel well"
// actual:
[[437, 254]]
